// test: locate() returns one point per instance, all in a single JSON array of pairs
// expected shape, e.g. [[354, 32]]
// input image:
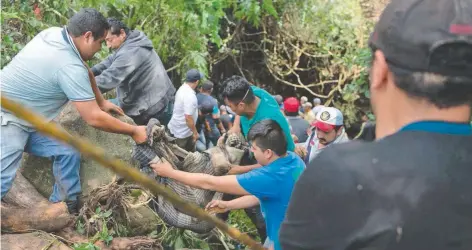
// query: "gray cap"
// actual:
[[193, 75], [317, 100]]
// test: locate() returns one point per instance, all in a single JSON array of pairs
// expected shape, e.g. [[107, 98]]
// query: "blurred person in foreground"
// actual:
[[411, 188]]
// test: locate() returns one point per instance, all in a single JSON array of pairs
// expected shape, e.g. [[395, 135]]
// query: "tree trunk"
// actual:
[[23, 194], [25, 209], [48, 218], [35, 240]]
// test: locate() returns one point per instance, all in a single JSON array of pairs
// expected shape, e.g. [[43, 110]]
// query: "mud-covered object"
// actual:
[[215, 161]]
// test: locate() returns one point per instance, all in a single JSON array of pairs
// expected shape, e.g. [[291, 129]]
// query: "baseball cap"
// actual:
[[328, 118], [415, 36], [291, 104], [193, 75]]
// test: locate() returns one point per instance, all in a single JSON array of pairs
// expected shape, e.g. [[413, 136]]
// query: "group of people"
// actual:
[[408, 189]]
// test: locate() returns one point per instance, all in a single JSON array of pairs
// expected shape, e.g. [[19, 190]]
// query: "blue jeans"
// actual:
[[66, 161], [201, 144]]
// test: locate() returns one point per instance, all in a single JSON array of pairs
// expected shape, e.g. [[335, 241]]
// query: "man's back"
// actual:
[[411, 190], [299, 127]]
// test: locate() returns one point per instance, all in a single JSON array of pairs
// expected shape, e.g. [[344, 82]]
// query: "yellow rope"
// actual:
[[129, 173]]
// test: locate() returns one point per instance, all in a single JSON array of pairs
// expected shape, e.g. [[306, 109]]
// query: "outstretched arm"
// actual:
[[225, 184], [220, 206]]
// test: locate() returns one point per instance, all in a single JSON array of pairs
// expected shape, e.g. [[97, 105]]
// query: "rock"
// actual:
[[38, 170], [31, 241], [142, 221]]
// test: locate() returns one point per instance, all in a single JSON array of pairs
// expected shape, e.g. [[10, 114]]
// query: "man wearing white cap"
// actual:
[[328, 130]]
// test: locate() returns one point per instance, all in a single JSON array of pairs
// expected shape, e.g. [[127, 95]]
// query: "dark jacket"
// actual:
[[136, 71]]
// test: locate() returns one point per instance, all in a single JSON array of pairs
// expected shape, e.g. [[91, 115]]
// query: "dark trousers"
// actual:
[[186, 143]]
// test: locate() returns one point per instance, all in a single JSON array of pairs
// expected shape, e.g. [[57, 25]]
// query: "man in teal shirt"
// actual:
[[252, 104]]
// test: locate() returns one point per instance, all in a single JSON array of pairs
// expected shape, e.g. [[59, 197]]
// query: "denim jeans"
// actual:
[[201, 144], [66, 161]]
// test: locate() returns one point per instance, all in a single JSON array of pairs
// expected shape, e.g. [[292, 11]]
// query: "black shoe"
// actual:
[[73, 207]]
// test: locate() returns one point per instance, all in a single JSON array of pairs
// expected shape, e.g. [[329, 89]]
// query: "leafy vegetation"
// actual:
[[292, 47]]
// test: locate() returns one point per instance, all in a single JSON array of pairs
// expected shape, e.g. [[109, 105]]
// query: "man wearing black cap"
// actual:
[[411, 188], [185, 114], [210, 114]]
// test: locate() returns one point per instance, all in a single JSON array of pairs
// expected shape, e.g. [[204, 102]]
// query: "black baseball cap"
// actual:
[[193, 75], [426, 36]]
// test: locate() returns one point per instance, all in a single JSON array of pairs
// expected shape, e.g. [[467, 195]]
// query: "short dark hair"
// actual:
[[116, 25], [237, 88], [444, 91], [88, 19], [268, 134], [207, 85]]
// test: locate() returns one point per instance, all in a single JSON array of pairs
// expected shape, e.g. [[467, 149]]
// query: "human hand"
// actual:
[[300, 151], [195, 136], [139, 134], [109, 107], [162, 169], [217, 207]]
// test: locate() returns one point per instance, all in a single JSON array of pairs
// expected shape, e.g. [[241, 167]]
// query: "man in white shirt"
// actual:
[[182, 124]]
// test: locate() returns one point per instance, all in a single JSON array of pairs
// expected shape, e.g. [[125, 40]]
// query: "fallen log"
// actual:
[[25, 209], [34, 240], [48, 218], [23, 194]]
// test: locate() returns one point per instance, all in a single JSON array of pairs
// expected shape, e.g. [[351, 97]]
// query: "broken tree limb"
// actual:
[[33, 240], [129, 173], [25, 209], [48, 218], [23, 194]]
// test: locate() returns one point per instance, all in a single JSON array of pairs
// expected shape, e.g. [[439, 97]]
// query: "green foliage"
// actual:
[[336, 47], [180, 30], [85, 246]]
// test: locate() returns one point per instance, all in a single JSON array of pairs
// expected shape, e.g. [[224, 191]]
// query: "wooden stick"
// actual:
[[129, 173]]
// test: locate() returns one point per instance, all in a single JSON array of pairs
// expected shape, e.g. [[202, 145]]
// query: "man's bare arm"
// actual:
[[245, 201], [97, 118], [235, 169], [225, 184], [191, 123]]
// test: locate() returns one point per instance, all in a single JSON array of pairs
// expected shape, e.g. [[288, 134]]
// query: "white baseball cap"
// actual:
[[328, 118]]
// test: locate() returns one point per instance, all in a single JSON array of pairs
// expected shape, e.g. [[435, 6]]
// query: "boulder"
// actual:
[[38, 170]]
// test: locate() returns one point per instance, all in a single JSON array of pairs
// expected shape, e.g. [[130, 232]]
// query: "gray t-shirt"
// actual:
[[45, 75]]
